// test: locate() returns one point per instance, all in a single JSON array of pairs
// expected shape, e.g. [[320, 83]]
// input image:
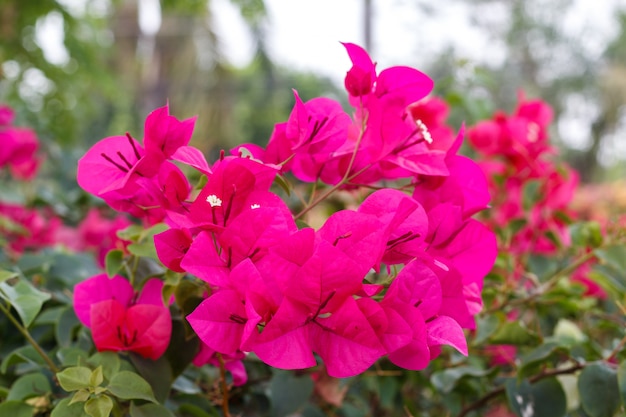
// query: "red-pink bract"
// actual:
[[118, 321]]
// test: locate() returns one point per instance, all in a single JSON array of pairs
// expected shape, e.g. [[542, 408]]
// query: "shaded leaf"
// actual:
[[74, 378], [130, 386], [113, 262], [100, 406], [599, 390], [65, 409], [149, 410], [544, 398], [25, 299], [289, 393], [29, 385], [447, 379], [513, 333], [16, 409]]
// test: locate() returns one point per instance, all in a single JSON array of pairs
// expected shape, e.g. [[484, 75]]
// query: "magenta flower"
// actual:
[[18, 147], [120, 319], [136, 180]]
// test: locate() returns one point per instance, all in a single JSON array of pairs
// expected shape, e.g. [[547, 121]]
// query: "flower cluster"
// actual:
[[398, 276], [18, 147], [529, 186]]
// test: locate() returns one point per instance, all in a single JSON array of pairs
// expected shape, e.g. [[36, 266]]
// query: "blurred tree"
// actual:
[[113, 68], [543, 56]]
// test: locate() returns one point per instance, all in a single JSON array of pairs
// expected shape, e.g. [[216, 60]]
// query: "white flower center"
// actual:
[[214, 200], [255, 206], [424, 131]]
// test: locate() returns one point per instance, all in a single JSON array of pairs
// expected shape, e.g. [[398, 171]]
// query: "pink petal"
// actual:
[[108, 318], [171, 247], [345, 341], [284, 342], [151, 327], [415, 355], [446, 331], [219, 321], [100, 288], [192, 157], [152, 293]]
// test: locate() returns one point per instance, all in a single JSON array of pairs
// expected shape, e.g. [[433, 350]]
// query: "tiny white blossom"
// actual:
[[255, 206], [424, 131], [214, 200], [533, 132]]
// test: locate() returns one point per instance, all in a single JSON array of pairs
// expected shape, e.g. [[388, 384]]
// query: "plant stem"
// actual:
[[29, 338], [615, 351], [482, 401], [225, 408]]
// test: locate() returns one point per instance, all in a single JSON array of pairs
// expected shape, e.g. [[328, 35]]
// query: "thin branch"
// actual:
[[482, 401], [224, 386], [29, 338]]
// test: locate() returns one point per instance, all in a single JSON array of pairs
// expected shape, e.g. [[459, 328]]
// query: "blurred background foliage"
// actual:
[[115, 71]]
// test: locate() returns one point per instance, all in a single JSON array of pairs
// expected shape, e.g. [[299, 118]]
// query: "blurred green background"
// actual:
[[114, 72]]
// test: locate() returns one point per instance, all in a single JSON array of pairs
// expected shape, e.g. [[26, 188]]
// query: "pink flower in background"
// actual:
[[28, 228], [122, 320], [18, 147], [99, 233]]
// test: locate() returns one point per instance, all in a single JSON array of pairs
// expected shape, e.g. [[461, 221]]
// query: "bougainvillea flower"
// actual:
[[18, 147], [166, 137], [315, 130], [99, 233], [232, 363], [406, 224], [28, 228], [121, 320], [171, 247], [110, 165], [229, 191]]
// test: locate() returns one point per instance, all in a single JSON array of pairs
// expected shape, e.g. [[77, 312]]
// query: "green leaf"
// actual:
[[586, 234], [71, 356], [64, 409], [446, 380], [567, 333], [544, 398], [621, 381], [16, 409], [538, 356], [513, 333], [7, 275], [599, 390], [113, 262], [100, 406], [75, 378], [96, 377], [64, 327], [131, 233], [157, 373], [485, 327], [289, 393], [20, 355], [26, 299], [130, 386], [80, 396], [284, 184], [149, 410], [29, 385], [108, 361], [530, 194]]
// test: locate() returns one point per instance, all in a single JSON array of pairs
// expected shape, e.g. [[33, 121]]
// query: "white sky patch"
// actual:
[[234, 37], [149, 17], [50, 37], [575, 123]]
